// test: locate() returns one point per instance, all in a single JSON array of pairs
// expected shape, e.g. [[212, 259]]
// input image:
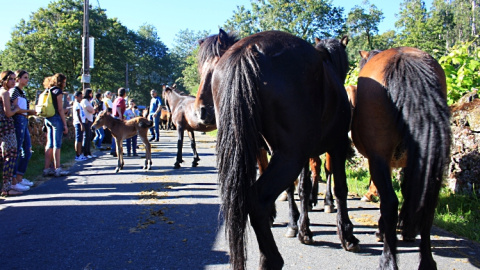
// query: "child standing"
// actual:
[[79, 123]]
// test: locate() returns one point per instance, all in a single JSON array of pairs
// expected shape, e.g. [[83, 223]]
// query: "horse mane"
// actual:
[[336, 54], [215, 46]]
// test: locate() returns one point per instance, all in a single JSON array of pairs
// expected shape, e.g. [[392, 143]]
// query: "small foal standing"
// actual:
[[122, 130]]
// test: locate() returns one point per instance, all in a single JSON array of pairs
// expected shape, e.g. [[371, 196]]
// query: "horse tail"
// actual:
[[145, 123], [238, 142], [414, 84]]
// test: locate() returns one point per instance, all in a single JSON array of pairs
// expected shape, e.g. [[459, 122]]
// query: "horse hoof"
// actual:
[[310, 208], [355, 248], [379, 237], [329, 209], [176, 166], [306, 240], [365, 199], [291, 233], [194, 164]]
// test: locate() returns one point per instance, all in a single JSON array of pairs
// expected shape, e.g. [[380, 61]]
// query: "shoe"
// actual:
[[89, 156], [93, 156], [26, 182], [135, 155], [48, 172], [20, 187], [156, 140], [129, 154], [61, 172], [113, 154], [151, 139], [11, 192], [80, 158]]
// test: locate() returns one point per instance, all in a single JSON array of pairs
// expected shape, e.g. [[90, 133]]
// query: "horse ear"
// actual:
[[222, 39], [344, 40], [317, 40], [363, 54]]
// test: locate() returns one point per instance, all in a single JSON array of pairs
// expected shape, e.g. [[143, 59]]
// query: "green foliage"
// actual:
[[459, 214], [462, 69], [364, 23], [304, 18]]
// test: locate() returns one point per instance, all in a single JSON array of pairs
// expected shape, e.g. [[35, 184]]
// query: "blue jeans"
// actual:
[[132, 144], [99, 135], [155, 130], [24, 143], [54, 131]]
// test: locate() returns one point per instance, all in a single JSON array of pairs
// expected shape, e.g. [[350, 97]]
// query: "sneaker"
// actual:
[[151, 139], [135, 154], [80, 158], [61, 172], [129, 154], [48, 172], [26, 182], [19, 187], [89, 156], [92, 155]]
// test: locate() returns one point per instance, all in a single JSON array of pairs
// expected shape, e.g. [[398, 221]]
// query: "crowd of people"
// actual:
[[15, 140]]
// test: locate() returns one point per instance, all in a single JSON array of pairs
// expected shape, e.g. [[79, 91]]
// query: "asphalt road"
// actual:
[[168, 219]]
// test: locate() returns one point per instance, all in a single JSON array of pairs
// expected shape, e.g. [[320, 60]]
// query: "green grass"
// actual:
[[37, 161], [456, 213]]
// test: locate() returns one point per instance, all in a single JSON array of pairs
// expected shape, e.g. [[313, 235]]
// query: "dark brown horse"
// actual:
[[184, 118], [255, 81], [122, 130], [401, 119]]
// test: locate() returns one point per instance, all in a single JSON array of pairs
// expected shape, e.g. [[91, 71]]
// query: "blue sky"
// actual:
[[169, 17]]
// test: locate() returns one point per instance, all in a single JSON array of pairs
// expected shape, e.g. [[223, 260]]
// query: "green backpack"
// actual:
[[45, 104]]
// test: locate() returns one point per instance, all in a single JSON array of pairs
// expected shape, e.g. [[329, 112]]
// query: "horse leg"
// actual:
[[380, 173], [372, 191], [279, 175], [179, 149], [426, 258], [120, 163], [293, 213], [329, 206], [196, 158], [304, 189], [262, 162], [148, 150], [315, 164], [344, 225]]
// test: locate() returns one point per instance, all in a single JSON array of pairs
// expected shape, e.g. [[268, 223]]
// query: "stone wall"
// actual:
[[38, 136]]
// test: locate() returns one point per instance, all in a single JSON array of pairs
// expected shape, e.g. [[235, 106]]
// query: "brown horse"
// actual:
[[122, 130], [165, 119], [184, 119], [401, 119], [255, 80]]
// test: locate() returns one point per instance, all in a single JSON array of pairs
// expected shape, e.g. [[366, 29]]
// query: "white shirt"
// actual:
[[87, 104], [77, 106]]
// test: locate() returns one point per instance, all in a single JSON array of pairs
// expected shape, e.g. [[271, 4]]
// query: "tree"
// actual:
[[306, 19], [364, 24], [184, 63]]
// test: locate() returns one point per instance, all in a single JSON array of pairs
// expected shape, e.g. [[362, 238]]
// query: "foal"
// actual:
[[122, 130]]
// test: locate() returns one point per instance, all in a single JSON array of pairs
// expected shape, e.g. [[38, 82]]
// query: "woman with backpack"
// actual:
[[8, 140], [56, 126]]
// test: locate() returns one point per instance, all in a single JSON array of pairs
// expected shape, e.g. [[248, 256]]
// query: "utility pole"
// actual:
[[85, 46]]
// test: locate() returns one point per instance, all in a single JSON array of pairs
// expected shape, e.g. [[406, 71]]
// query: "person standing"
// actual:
[[99, 106], [107, 100], [56, 127], [155, 111], [89, 111], [131, 142], [78, 123], [8, 139], [118, 109], [24, 145]]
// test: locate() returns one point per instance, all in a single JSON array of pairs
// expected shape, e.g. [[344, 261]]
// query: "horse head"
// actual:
[[211, 49], [101, 119], [366, 56], [334, 51]]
